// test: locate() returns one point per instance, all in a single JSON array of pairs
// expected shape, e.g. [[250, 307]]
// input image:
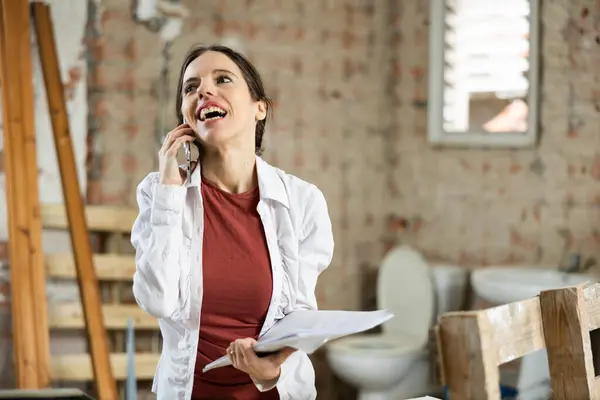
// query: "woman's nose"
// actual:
[[205, 90]]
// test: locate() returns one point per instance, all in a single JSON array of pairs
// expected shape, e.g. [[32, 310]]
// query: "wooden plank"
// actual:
[[109, 267], [86, 275], [70, 316], [17, 89], [44, 394], [99, 218], [516, 329], [591, 295], [111, 242], [570, 358], [470, 369], [473, 344], [47, 394], [38, 271], [78, 367]]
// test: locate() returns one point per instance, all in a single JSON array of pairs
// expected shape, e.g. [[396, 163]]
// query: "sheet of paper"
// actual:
[[307, 330], [425, 398]]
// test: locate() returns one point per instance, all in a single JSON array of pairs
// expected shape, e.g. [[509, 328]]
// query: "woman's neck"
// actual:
[[232, 171]]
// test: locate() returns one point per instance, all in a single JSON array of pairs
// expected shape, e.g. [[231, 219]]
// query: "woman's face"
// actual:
[[216, 102]]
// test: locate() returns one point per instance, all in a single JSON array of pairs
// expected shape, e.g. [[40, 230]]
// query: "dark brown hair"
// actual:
[[250, 74]]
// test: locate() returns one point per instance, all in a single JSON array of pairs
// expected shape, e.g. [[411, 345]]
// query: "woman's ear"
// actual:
[[261, 112]]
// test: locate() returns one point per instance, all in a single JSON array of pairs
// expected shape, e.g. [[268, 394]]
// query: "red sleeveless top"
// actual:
[[237, 286]]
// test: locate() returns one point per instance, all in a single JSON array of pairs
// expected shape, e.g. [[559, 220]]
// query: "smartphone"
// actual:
[[188, 157]]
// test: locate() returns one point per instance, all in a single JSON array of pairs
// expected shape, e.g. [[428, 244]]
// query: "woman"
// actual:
[[221, 256]]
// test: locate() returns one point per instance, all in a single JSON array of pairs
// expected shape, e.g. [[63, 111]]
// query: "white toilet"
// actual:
[[395, 364]]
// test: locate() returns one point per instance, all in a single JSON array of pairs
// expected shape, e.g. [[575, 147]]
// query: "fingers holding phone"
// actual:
[[169, 171]]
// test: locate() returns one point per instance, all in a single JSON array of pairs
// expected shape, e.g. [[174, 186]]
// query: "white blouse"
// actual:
[[167, 236]]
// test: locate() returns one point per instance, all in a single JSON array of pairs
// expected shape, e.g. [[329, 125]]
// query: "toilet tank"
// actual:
[[450, 287]]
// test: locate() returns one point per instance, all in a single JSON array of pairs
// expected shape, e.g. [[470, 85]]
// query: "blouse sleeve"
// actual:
[[155, 235]]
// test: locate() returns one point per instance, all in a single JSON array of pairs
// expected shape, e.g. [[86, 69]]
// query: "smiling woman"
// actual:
[[225, 251]]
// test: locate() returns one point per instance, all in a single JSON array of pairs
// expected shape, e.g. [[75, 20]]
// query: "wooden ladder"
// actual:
[[110, 226]]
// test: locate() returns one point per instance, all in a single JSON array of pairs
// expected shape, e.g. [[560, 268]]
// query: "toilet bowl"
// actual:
[[395, 363]]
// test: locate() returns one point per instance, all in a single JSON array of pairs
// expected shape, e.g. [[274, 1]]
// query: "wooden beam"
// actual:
[[516, 328], [77, 367], [38, 284], [86, 275], [99, 218], [473, 344], [567, 332], [470, 369], [591, 296], [109, 267], [70, 316], [30, 330], [20, 272]]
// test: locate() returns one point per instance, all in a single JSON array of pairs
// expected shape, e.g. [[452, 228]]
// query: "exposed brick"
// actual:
[[363, 68], [595, 170]]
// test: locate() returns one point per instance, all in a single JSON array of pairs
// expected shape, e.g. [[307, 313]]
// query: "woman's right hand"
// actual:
[[168, 168]]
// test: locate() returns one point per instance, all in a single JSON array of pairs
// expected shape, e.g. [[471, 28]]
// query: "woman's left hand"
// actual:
[[242, 356]]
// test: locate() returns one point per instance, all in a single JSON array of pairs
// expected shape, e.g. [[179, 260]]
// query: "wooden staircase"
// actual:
[[109, 228]]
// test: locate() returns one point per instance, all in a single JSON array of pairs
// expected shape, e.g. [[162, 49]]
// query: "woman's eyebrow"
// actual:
[[196, 79], [224, 71], [192, 79]]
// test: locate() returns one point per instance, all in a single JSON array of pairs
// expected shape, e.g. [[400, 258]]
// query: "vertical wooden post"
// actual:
[[38, 270], [567, 335], [468, 360], [86, 274], [28, 283]]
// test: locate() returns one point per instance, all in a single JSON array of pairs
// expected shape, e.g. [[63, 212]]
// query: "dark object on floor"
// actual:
[[506, 392], [45, 394]]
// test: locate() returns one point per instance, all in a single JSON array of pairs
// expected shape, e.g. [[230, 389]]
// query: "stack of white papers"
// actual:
[[425, 398], [307, 330]]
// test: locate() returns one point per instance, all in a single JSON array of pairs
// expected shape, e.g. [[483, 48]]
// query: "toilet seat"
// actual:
[[376, 345], [405, 288]]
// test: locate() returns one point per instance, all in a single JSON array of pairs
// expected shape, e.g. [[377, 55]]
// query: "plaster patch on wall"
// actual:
[[69, 17], [235, 43], [165, 17]]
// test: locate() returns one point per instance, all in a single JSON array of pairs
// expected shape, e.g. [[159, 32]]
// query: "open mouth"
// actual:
[[211, 113]]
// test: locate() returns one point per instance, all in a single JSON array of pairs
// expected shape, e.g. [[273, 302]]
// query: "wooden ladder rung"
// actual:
[[78, 367], [99, 218], [70, 316], [109, 267]]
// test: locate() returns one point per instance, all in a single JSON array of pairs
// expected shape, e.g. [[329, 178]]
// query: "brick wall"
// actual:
[[483, 207], [349, 78]]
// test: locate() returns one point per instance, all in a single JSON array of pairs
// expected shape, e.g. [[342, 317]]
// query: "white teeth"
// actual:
[[210, 109]]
